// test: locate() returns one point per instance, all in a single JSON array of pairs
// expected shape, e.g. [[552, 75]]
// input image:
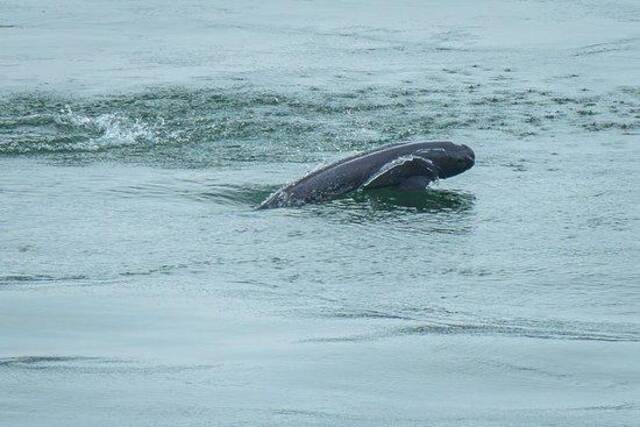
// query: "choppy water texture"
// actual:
[[138, 285]]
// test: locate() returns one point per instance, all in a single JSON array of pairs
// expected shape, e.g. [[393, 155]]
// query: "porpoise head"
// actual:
[[450, 159]]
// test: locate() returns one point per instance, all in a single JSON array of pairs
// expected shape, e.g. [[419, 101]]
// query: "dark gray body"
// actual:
[[409, 166]]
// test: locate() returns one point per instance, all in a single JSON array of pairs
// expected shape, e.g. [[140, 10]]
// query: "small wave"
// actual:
[[626, 406], [518, 331], [550, 330], [163, 269], [236, 195], [93, 365], [38, 361], [22, 279], [365, 314], [613, 46]]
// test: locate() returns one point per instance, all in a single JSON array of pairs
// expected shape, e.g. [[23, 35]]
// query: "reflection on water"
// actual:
[[381, 200], [429, 200], [429, 211]]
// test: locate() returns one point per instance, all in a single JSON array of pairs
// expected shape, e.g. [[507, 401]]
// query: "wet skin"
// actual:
[[408, 166]]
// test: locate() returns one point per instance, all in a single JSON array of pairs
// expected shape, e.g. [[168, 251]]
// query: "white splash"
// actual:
[[113, 129], [392, 164]]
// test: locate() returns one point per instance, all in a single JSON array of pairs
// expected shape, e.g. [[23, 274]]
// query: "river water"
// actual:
[[139, 286]]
